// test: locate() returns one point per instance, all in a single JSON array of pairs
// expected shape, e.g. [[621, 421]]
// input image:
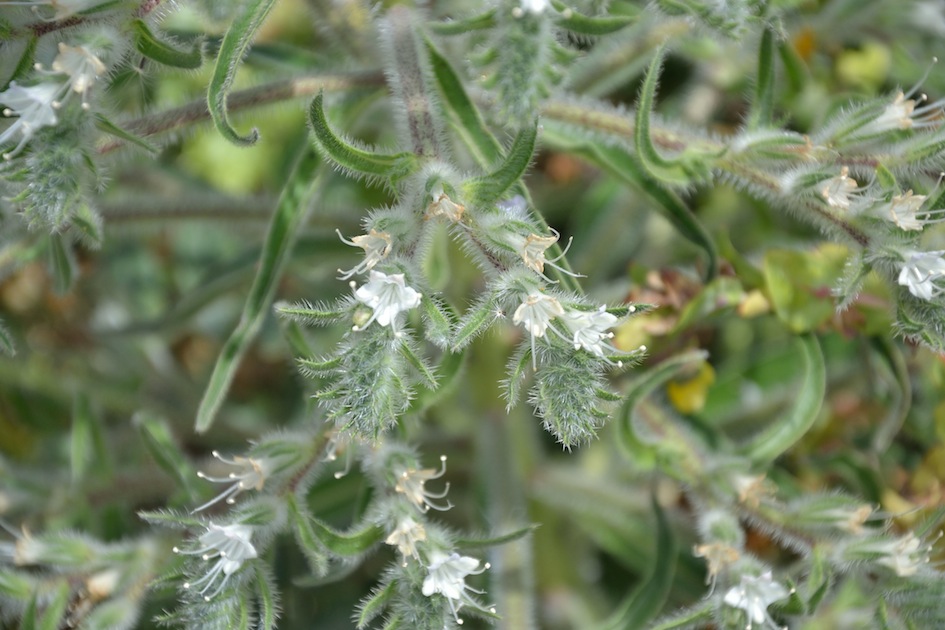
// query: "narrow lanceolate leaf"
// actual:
[[693, 164], [418, 363], [584, 25], [160, 443], [447, 372], [55, 610], [340, 544], [480, 317], [460, 27], [294, 206], [466, 119], [646, 600], [160, 51], [26, 61], [784, 432], [105, 125], [6, 341], [62, 263], [763, 105], [83, 432], [501, 539], [234, 45], [310, 314], [268, 597], [374, 605], [384, 167], [489, 188]]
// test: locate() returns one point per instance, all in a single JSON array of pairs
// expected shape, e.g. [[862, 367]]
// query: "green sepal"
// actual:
[[104, 125], [517, 369], [378, 166], [818, 581], [310, 314], [584, 25], [163, 53], [62, 263], [375, 604], [312, 368], [307, 540], [159, 442], [502, 539], [794, 68], [486, 190], [438, 319], [645, 601], [692, 166], [460, 27], [886, 179], [474, 322], [172, 519], [420, 365], [762, 107], [232, 50], [785, 431], [16, 585], [448, 370]]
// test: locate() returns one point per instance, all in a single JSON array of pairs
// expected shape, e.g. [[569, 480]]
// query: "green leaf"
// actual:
[[474, 322], [375, 604], [646, 600], [795, 70], [294, 206], [466, 119], [479, 543], [234, 46], [784, 432], [460, 27], [83, 436], [160, 443], [583, 25], [763, 106], [6, 341], [317, 535], [379, 166], [55, 610], [887, 180], [28, 622], [160, 51], [268, 598], [26, 62], [105, 125], [61, 263], [448, 370], [420, 365], [309, 314], [486, 190]]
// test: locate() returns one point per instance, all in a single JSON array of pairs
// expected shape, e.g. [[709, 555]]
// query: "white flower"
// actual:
[[920, 272], [904, 555], [443, 206], [406, 536], [532, 250], [589, 330], [837, 190], [82, 67], [535, 7], [388, 296], [535, 314], [903, 114], [905, 209], [252, 475], [230, 546], [718, 556], [35, 107], [754, 595], [447, 576], [376, 246], [410, 483]]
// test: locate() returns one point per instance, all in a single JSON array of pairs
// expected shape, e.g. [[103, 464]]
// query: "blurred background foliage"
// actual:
[[119, 360]]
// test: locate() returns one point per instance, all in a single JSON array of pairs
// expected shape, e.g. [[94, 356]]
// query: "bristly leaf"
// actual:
[[268, 597], [583, 25], [160, 443], [160, 51], [375, 604], [487, 189], [492, 541], [309, 314], [388, 168], [461, 27], [107, 126], [235, 43], [785, 431], [763, 106], [294, 206]]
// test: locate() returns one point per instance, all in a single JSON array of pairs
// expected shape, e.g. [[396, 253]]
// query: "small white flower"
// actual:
[[535, 314], [376, 246], [589, 329], [903, 113], [921, 272], [252, 475], [388, 296], [443, 206], [718, 556], [532, 250], [447, 576], [230, 546], [35, 107], [837, 191], [406, 536], [904, 555], [82, 67], [754, 595], [410, 483], [905, 210], [535, 7]]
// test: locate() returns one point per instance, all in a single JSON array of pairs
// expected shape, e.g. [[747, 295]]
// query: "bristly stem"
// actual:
[[197, 112], [406, 76]]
